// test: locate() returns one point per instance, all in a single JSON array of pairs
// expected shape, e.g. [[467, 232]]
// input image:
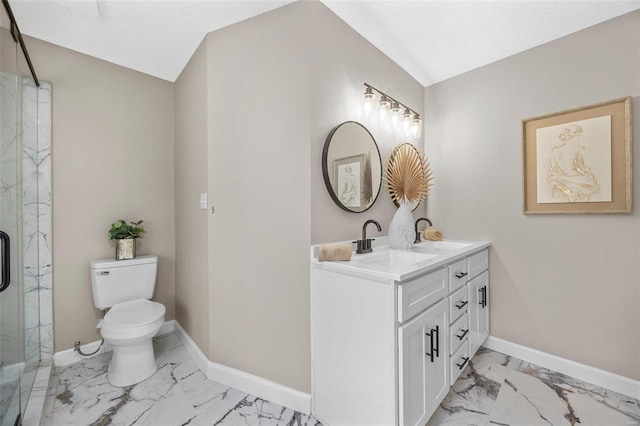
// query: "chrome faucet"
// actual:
[[417, 240], [364, 245]]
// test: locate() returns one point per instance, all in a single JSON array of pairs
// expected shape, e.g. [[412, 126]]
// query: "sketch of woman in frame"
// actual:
[[569, 173], [348, 191]]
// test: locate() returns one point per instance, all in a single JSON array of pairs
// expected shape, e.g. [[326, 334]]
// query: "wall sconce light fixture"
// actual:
[[391, 111]]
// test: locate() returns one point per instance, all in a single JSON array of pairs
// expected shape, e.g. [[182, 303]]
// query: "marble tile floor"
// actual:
[[177, 394], [494, 389]]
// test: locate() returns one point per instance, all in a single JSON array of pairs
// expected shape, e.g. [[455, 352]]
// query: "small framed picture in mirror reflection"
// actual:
[[350, 175]]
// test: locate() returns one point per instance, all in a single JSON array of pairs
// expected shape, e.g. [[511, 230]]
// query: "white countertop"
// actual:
[[388, 265]]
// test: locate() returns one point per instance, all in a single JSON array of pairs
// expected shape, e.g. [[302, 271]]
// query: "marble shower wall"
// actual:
[[36, 211]]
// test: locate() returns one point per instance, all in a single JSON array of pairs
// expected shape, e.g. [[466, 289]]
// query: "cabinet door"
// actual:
[[423, 364], [478, 311]]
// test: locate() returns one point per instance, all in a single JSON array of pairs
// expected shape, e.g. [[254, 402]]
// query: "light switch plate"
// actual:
[[203, 201]]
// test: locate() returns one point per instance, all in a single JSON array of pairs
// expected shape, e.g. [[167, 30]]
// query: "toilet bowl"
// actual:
[[126, 287], [129, 328]]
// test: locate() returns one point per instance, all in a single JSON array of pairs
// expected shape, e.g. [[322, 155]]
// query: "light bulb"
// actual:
[[383, 108], [369, 100], [396, 114], [407, 119], [416, 126]]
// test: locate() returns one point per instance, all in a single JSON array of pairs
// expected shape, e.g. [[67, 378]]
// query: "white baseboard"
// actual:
[[196, 354], [262, 388], [605, 379], [70, 356], [254, 385]]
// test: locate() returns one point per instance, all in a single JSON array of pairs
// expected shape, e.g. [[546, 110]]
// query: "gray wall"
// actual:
[[272, 98], [112, 157], [343, 61], [563, 284], [192, 267], [259, 185]]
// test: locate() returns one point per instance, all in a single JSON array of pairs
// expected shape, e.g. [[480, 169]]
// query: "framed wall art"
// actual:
[[352, 176], [578, 161]]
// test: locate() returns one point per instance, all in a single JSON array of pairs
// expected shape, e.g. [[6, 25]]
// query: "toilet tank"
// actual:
[[114, 281]]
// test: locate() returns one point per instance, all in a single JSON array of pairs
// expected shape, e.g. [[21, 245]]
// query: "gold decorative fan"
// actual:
[[408, 175]]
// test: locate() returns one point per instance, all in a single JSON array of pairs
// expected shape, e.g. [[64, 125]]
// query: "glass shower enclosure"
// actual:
[[20, 325]]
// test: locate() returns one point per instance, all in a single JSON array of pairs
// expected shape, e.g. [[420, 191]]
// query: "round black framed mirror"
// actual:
[[352, 167]]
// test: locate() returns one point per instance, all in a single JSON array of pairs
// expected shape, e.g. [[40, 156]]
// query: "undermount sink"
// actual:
[[435, 246], [392, 258]]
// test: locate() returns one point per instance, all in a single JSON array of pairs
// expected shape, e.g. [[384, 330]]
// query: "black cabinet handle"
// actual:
[[5, 260], [461, 274], [434, 350], [461, 366], [431, 353], [464, 333], [462, 304], [483, 298]]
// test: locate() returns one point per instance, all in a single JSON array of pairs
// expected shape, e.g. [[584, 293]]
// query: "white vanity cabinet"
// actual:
[[478, 310], [478, 299], [387, 342], [423, 364]]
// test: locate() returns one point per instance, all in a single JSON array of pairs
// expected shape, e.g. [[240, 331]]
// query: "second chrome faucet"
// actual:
[[364, 245]]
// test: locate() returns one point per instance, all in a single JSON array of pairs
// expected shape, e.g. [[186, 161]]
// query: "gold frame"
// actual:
[[621, 170]]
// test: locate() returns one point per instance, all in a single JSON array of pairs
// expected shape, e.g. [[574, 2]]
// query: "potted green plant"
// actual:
[[125, 235]]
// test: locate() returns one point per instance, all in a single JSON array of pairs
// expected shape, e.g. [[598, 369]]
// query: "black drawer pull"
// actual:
[[485, 296], [434, 334], [461, 366], [461, 304], [464, 333], [483, 293], [461, 274]]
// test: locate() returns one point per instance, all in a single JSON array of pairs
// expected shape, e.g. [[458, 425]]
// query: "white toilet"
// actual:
[[126, 286]]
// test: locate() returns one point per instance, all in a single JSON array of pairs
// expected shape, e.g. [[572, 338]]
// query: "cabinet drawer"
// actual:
[[458, 274], [459, 333], [419, 293], [458, 304], [459, 361], [478, 263]]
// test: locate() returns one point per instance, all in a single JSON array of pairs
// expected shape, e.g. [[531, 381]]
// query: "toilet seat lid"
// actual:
[[134, 313]]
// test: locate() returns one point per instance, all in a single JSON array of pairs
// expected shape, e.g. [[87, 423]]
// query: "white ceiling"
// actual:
[[431, 40]]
